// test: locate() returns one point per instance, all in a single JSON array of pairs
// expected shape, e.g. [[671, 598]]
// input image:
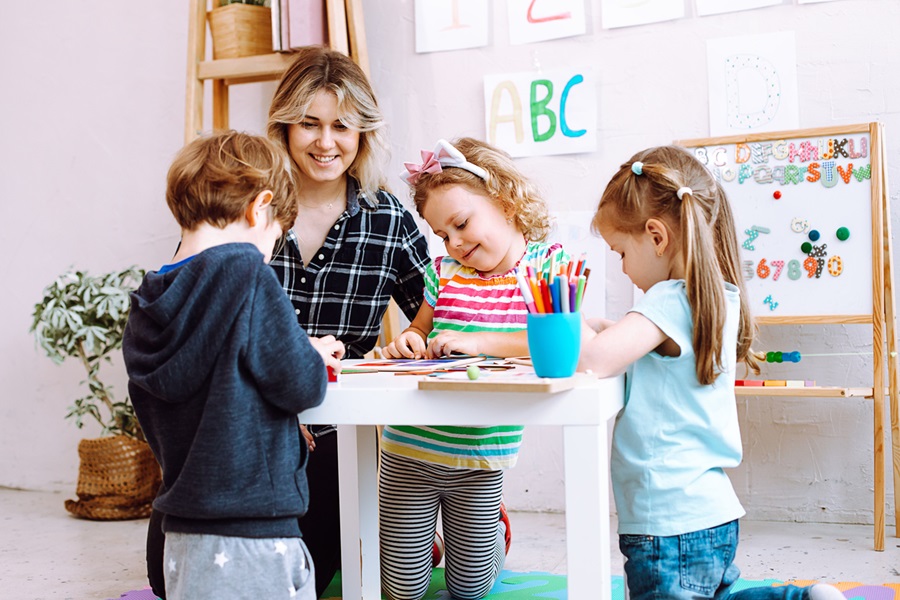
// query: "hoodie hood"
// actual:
[[178, 349]]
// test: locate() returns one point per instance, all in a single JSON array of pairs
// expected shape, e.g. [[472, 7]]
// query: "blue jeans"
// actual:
[[693, 565]]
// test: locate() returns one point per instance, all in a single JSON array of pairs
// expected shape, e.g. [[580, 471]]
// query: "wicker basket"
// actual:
[[118, 479], [240, 30]]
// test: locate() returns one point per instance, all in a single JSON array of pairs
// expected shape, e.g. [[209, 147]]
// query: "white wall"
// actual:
[[92, 113]]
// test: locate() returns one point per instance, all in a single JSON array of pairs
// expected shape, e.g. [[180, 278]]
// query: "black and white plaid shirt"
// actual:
[[372, 253]]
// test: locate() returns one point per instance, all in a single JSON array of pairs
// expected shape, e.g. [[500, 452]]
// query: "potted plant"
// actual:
[[240, 28], [83, 318]]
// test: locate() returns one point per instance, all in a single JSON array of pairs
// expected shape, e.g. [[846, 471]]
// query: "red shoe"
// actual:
[[504, 517], [437, 550]]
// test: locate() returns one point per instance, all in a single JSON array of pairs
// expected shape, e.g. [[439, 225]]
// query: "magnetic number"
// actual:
[[794, 269], [762, 269], [748, 269], [810, 265], [779, 265], [835, 265]]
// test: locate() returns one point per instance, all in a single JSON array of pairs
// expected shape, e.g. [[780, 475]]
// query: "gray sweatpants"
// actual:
[[200, 566]]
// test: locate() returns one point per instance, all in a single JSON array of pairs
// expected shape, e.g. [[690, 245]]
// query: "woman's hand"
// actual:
[[310, 440], [409, 344], [330, 349], [448, 342]]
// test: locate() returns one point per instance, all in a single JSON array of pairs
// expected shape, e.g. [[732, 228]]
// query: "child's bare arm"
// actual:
[[597, 324], [610, 351], [411, 343]]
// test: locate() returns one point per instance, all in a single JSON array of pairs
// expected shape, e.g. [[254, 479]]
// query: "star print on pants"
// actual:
[[172, 565], [221, 559], [280, 548]]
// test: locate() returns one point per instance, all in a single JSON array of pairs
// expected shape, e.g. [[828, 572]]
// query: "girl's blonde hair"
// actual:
[[702, 226], [513, 193], [317, 68]]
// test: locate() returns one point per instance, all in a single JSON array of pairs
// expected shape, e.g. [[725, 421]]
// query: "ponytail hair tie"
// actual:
[[637, 167], [682, 191]]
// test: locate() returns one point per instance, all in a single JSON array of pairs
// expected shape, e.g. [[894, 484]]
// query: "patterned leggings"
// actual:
[[410, 493]]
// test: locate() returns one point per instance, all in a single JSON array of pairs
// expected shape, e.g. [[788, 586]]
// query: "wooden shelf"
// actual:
[[247, 69], [806, 392]]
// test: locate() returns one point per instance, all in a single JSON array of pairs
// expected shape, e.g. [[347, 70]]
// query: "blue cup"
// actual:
[[554, 341]]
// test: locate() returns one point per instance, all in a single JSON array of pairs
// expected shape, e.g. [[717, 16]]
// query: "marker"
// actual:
[[545, 296], [573, 295], [526, 292], [563, 286], [536, 294], [579, 294], [554, 289]]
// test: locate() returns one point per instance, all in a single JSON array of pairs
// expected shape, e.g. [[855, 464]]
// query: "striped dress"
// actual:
[[464, 300]]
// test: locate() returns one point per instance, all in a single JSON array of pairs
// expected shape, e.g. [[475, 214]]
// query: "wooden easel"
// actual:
[[882, 316]]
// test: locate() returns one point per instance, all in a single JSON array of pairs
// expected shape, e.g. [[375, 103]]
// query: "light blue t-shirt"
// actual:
[[675, 437]]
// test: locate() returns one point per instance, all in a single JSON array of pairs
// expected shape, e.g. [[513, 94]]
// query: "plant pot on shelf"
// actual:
[[240, 30], [118, 478]]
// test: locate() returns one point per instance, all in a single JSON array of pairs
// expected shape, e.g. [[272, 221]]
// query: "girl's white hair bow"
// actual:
[[444, 155]]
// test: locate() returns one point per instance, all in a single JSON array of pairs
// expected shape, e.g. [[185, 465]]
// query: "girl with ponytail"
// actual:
[[666, 217]]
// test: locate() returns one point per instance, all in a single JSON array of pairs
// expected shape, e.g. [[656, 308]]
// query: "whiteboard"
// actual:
[[786, 187]]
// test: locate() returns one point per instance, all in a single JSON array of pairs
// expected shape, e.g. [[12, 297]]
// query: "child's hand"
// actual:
[[330, 349], [408, 344], [447, 342]]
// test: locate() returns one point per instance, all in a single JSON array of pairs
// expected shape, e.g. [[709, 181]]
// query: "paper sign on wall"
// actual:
[[715, 7], [752, 84], [625, 13], [542, 113], [539, 20], [451, 24]]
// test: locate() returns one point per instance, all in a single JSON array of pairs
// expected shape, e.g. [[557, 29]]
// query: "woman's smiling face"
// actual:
[[322, 146]]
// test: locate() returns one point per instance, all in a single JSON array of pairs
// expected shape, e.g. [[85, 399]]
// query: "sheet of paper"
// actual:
[[451, 24], [539, 20], [752, 84]]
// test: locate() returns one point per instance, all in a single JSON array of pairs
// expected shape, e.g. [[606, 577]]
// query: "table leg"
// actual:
[[587, 512], [358, 481]]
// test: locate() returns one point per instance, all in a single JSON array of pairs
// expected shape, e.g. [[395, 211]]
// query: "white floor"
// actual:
[[47, 554]]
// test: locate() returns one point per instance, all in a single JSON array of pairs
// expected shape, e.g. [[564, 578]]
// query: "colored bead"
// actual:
[[472, 372], [814, 235], [805, 247], [843, 233], [777, 195]]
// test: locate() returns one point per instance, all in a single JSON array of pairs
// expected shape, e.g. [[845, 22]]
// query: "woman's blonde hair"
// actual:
[[702, 226], [317, 68], [514, 194]]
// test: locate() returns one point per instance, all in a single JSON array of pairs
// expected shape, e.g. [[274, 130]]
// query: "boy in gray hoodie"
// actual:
[[218, 370]]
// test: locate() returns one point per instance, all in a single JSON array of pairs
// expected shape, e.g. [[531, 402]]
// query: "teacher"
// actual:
[[353, 246]]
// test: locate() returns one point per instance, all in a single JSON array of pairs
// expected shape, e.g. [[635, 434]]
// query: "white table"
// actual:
[[358, 402]]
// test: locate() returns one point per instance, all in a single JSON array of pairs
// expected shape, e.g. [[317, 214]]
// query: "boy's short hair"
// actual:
[[213, 179]]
